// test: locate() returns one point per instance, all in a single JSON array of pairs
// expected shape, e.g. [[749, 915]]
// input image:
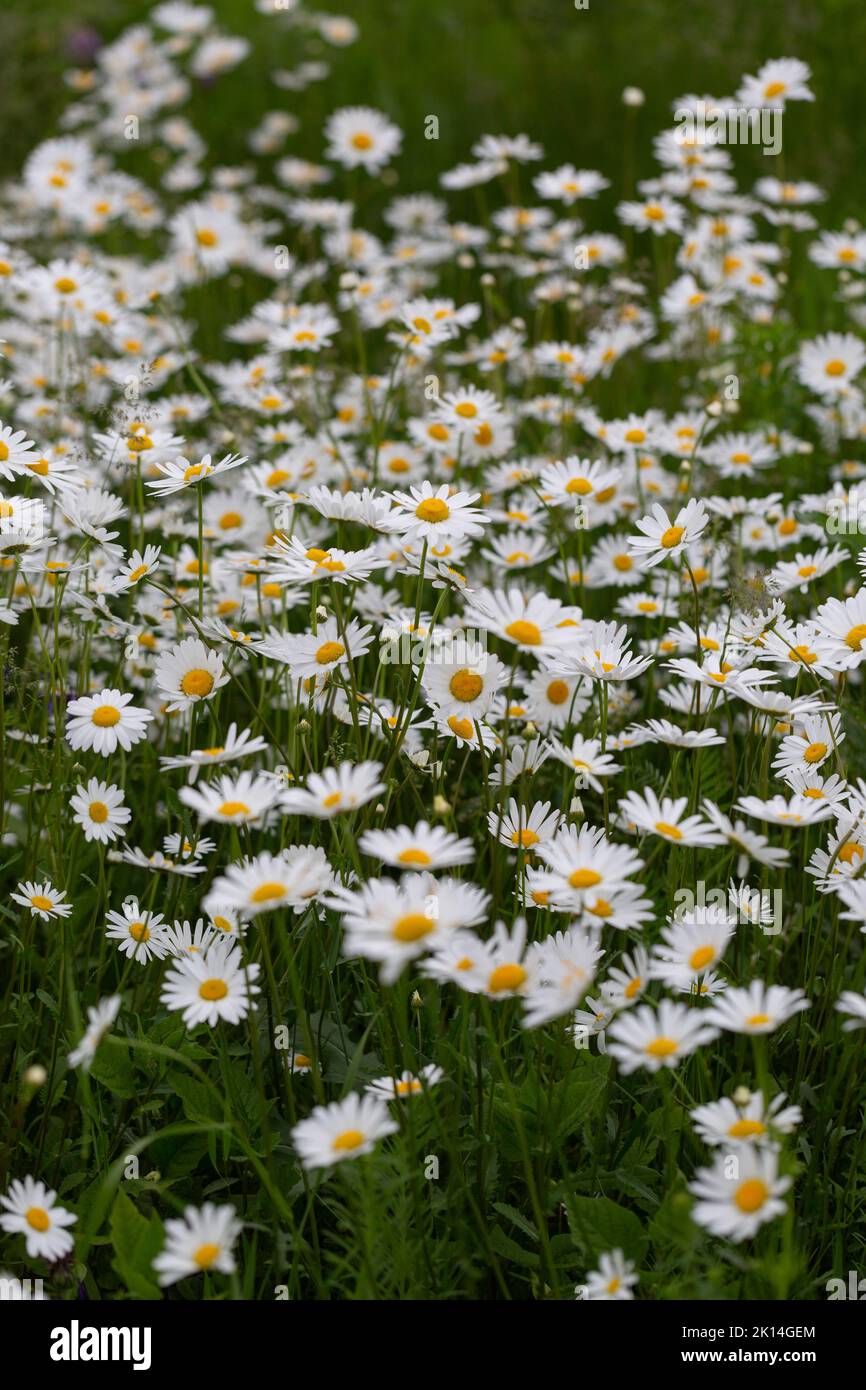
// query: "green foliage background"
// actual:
[[492, 65]]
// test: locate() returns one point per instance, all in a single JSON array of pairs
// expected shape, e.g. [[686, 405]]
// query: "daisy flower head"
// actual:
[[30, 1209], [345, 1129], [736, 1198], [661, 537], [613, 1281], [406, 1085], [292, 878], [426, 847], [433, 515], [218, 984], [362, 138], [100, 811], [100, 1018], [202, 1240], [646, 1037], [140, 934], [757, 1009], [105, 721], [665, 818], [179, 473], [393, 923], [748, 1120], [334, 791], [42, 900], [190, 673]]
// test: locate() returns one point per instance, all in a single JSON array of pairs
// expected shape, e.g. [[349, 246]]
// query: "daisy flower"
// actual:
[[241, 800], [140, 934], [292, 878], [666, 819], [750, 1121], [433, 515], [756, 1009], [736, 1198], [218, 984], [392, 923], [100, 1017], [360, 137], [646, 1037], [345, 1129], [101, 722], [334, 790], [523, 827], [30, 1210], [179, 474], [660, 537], [100, 811], [405, 1085], [828, 364], [854, 1005], [613, 1281], [202, 1240], [190, 673], [42, 899], [426, 847]]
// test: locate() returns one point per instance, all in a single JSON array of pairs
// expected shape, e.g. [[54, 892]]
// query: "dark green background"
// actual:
[[498, 66]]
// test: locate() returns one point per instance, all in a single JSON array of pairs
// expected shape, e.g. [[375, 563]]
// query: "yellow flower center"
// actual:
[[701, 957], [465, 686], [213, 989], [106, 716], [362, 141], [758, 1020], [348, 1140], [139, 931], [37, 1218], [205, 237], [671, 831], [661, 1047], [206, 1255], [751, 1195], [197, 682], [412, 927], [329, 652], [557, 692], [506, 977], [746, 1129], [855, 637], [581, 486], [461, 727], [432, 509], [98, 812], [815, 752], [524, 838], [267, 892], [527, 634], [584, 878], [623, 563], [414, 856], [672, 536], [43, 903], [835, 368], [234, 808]]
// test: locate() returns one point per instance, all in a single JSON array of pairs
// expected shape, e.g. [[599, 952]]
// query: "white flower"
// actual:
[[103, 721], [30, 1211], [345, 1129], [202, 1240], [218, 984], [739, 1193]]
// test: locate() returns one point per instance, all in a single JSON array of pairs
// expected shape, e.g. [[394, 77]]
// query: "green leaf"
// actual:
[[112, 1068], [136, 1240], [599, 1224]]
